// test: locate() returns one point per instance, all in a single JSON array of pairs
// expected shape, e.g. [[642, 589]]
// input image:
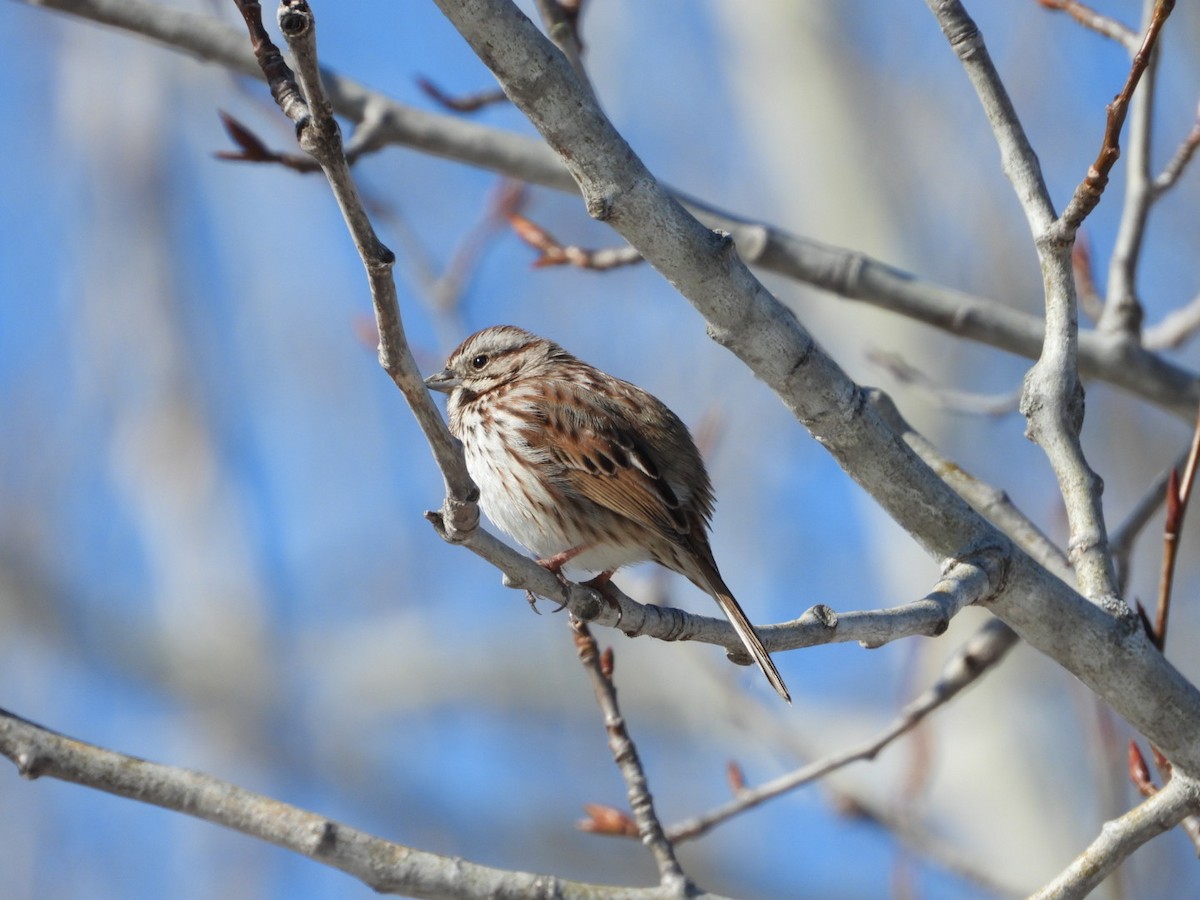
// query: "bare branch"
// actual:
[[847, 273], [818, 625], [966, 402], [384, 866], [1053, 397], [1174, 169], [553, 253], [467, 103], [599, 668], [1123, 308], [1120, 837], [1179, 492], [1088, 193], [982, 652], [318, 133], [1101, 24]]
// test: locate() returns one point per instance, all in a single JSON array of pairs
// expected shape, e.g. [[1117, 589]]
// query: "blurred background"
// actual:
[[211, 545]]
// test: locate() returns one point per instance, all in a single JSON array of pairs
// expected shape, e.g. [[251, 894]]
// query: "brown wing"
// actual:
[[606, 456]]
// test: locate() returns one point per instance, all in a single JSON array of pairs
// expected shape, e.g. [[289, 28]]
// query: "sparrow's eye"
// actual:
[[479, 362]]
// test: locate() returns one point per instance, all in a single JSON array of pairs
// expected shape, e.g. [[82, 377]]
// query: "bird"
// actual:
[[584, 469]]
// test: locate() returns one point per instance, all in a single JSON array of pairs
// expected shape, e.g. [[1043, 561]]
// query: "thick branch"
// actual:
[[1120, 837], [1112, 654]]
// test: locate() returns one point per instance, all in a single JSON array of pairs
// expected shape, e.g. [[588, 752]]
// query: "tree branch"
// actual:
[[1120, 837], [1110, 653], [847, 273], [982, 652], [599, 668], [386, 867], [1052, 400]]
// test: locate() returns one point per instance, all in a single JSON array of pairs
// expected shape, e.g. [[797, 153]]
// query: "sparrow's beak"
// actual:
[[444, 381]]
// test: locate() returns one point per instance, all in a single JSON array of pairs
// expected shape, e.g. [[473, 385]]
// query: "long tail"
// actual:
[[701, 568], [737, 618]]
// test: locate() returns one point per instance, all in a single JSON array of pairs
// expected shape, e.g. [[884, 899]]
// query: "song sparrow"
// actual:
[[583, 468]]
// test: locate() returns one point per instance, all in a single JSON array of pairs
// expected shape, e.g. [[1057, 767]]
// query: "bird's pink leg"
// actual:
[[558, 560]]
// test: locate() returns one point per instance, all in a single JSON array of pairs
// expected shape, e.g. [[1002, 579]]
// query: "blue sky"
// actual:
[[212, 550]]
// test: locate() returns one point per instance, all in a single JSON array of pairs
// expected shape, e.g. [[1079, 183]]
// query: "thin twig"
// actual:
[[553, 253], [1127, 532], [461, 104], [1123, 312], [984, 650], [1098, 22], [1183, 155], [952, 399], [1089, 191], [599, 668], [253, 149], [1179, 492]]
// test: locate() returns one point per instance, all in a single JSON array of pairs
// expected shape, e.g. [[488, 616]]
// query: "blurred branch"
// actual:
[[466, 103], [1097, 22], [1177, 327], [846, 273], [1085, 279], [1127, 532], [1174, 169], [1120, 837], [1123, 308], [1179, 492], [553, 253], [983, 651], [599, 668], [386, 867], [952, 399]]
